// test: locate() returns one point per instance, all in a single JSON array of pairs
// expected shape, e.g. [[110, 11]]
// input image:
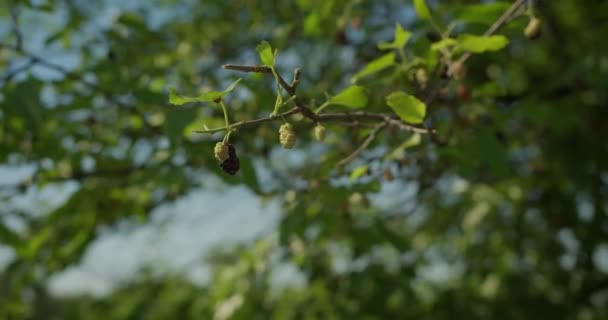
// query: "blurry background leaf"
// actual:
[[376, 65], [112, 207], [401, 38], [422, 9], [177, 99]]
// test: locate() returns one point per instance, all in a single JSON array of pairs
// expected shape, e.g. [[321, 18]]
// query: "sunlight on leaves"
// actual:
[[443, 43], [376, 65], [422, 9], [411, 142], [178, 100], [407, 107], [352, 97], [267, 56], [479, 44], [401, 38], [358, 172]]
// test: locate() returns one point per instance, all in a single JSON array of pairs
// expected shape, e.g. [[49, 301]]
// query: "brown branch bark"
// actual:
[[495, 27], [291, 89], [359, 116], [370, 138]]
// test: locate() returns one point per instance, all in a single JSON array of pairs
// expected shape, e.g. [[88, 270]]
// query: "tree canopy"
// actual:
[[486, 119]]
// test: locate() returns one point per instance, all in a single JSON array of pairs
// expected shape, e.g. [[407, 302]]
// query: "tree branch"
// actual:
[[370, 138], [359, 116], [291, 89], [36, 59], [387, 119], [11, 74], [296, 78], [249, 123], [14, 14], [364, 116], [506, 17]]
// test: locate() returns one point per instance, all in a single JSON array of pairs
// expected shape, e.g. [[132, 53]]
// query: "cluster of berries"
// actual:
[[225, 154]]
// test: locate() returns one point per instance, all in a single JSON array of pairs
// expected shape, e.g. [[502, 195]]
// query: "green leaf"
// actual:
[[177, 120], [75, 244], [422, 9], [401, 38], [9, 237], [376, 65], [231, 87], [34, 243], [312, 24], [178, 100], [352, 97], [249, 176], [482, 13], [399, 152], [395, 239], [407, 107], [267, 56], [413, 141], [443, 43], [358, 172], [478, 44]]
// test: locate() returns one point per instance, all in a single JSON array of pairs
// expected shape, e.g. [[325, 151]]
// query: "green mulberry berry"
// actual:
[[532, 30], [287, 136], [319, 132], [422, 77], [221, 151]]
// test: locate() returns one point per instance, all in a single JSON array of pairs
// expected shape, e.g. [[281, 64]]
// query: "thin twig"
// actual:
[[248, 123], [291, 90], [432, 91], [364, 116], [506, 17], [14, 13], [36, 59], [370, 138], [385, 119], [261, 69], [10, 75], [244, 68], [356, 117], [296, 78]]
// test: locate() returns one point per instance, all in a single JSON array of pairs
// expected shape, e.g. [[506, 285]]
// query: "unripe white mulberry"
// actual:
[[532, 30], [319, 132], [459, 70], [421, 77], [221, 152], [287, 136]]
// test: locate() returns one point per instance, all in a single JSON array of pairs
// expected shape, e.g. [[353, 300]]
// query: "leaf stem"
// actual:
[[321, 107], [226, 122]]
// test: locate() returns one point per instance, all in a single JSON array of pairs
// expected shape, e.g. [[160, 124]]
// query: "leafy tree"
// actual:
[[492, 113]]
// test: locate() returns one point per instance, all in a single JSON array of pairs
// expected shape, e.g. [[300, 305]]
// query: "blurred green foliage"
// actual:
[[522, 158]]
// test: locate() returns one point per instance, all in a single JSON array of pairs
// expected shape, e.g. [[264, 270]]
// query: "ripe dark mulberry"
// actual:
[[231, 165]]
